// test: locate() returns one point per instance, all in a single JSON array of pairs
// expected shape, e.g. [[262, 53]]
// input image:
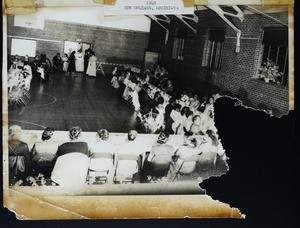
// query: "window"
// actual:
[[275, 48], [74, 46], [216, 40], [178, 45], [23, 47]]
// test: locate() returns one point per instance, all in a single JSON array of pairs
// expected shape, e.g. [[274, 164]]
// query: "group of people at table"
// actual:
[[132, 157], [19, 79], [162, 106]]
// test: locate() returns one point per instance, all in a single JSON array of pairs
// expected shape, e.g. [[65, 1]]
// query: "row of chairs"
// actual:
[[103, 168], [159, 167]]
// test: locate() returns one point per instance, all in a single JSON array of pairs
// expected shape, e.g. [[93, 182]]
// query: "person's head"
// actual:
[[75, 133], [163, 137], [14, 132], [205, 98], [25, 73], [197, 119], [103, 134], [177, 107], [92, 53], [196, 96], [160, 100], [73, 53], [189, 114], [36, 57], [172, 100], [190, 140], [65, 55], [148, 90], [184, 110], [17, 57], [132, 134], [47, 134], [58, 54], [157, 95], [26, 57], [213, 137]]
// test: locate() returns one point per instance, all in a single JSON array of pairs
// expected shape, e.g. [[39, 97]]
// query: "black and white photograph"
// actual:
[[114, 105]]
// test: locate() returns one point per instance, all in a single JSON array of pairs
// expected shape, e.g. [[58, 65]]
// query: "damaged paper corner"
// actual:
[[117, 207], [16, 7]]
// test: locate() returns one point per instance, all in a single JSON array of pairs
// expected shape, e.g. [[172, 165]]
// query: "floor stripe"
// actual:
[[36, 106], [20, 121]]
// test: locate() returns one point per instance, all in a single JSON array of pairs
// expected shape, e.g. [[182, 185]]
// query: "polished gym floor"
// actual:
[[77, 100]]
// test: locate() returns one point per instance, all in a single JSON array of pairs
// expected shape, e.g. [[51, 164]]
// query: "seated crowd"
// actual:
[[78, 162], [161, 106]]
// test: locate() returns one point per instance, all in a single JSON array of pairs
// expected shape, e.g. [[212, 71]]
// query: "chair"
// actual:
[[132, 160], [182, 169], [205, 166], [160, 166], [100, 168]]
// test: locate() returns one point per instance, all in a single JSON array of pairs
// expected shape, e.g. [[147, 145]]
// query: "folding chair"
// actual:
[[128, 157], [160, 166], [182, 173], [206, 164], [100, 168]]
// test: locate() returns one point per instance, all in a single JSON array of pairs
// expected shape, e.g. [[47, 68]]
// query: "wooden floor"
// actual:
[[75, 101]]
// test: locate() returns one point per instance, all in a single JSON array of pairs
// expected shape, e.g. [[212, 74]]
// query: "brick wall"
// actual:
[[116, 45], [237, 69]]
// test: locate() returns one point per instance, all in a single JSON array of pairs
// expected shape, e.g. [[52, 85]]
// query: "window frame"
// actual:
[[178, 49], [264, 57], [213, 50], [24, 40]]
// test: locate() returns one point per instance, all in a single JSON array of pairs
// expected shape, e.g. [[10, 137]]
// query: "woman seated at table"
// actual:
[[127, 83], [194, 102], [157, 164], [210, 143], [19, 157], [188, 121], [177, 126], [145, 100], [185, 157], [129, 158], [197, 126], [71, 166], [134, 98], [159, 110], [43, 154]]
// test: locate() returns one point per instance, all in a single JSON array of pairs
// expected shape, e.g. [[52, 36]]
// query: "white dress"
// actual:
[[65, 64], [135, 100], [79, 63], [114, 82], [91, 70]]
